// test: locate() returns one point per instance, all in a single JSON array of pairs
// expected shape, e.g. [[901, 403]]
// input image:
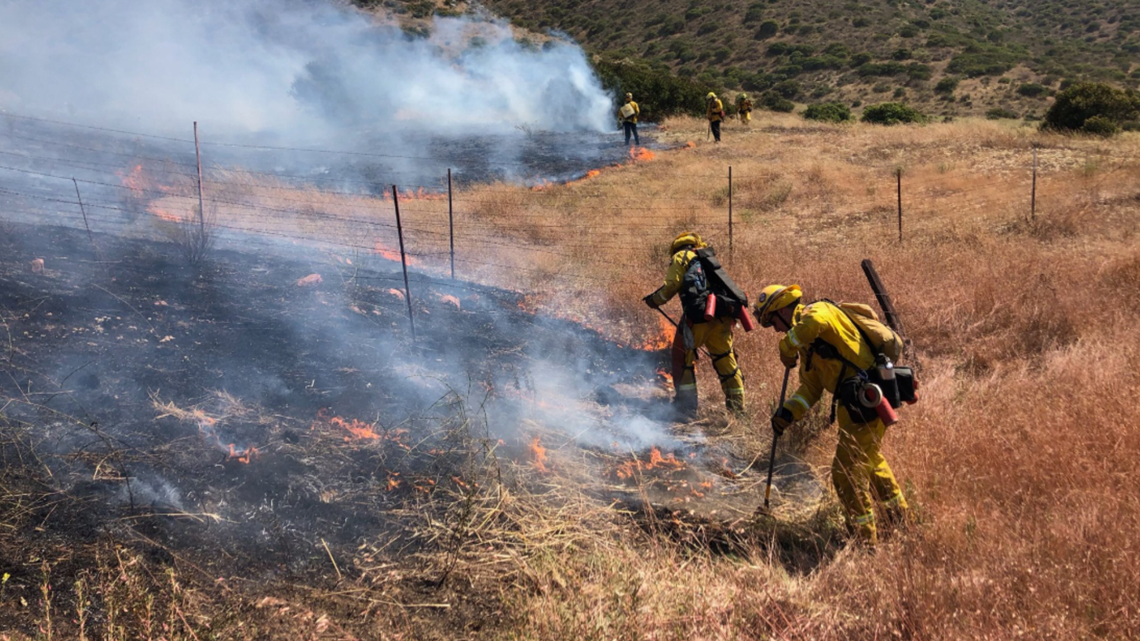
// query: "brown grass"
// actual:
[[1020, 459]]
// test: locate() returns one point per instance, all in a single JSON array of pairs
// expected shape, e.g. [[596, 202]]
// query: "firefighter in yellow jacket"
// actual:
[[628, 114], [693, 332], [714, 111], [744, 108], [825, 342]]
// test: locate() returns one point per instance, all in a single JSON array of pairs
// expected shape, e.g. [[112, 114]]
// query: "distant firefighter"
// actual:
[[845, 350], [744, 108], [628, 114], [711, 304], [714, 111]]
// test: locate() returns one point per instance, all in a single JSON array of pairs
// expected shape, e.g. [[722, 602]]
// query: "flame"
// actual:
[[664, 338], [666, 378], [449, 299], [627, 469], [690, 144], [360, 431], [311, 279], [389, 254], [538, 455], [138, 182], [641, 154], [395, 292], [593, 173], [206, 427]]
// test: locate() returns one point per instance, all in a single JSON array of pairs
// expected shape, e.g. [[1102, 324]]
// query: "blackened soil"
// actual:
[[106, 358]]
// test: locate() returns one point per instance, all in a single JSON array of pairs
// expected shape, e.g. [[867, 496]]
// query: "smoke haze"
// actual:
[[286, 70]]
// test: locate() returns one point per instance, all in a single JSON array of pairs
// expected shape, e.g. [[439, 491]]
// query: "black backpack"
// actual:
[[706, 275]]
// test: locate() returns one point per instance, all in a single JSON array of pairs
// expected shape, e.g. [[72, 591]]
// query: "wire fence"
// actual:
[[481, 232]]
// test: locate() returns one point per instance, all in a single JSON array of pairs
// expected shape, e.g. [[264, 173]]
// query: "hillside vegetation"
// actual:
[[951, 56]]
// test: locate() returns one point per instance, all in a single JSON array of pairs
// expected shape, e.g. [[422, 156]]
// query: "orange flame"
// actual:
[[656, 461], [389, 254], [138, 182], [641, 154], [360, 431], [206, 427], [593, 173], [690, 144], [538, 455], [395, 292], [449, 299], [311, 279], [663, 340]]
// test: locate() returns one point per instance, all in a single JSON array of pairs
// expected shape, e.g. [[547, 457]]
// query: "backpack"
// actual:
[[706, 275], [627, 111], [878, 336]]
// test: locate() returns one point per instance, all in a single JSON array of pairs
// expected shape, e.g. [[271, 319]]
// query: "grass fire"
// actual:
[[284, 434]]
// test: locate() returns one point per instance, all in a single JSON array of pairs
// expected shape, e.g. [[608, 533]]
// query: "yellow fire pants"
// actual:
[[716, 336], [858, 471]]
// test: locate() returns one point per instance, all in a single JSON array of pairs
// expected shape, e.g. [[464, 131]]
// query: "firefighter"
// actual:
[[827, 346], [628, 114], [693, 332], [744, 108], [714, 111]]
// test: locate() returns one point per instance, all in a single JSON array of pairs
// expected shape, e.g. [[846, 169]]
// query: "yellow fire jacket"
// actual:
[[636, 112], [825, 321], [715, 109], [674, 276]]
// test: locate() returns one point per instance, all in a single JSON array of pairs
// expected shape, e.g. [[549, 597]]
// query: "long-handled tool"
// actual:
[[775, 437], [675, 324]]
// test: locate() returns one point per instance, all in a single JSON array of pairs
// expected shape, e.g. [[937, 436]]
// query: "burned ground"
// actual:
[[237, 418]]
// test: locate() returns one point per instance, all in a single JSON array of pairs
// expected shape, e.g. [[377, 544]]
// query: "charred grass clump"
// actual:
[[1019, 459]]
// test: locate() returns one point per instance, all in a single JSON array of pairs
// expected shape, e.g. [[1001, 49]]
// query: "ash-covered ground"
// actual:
[[241, 407]]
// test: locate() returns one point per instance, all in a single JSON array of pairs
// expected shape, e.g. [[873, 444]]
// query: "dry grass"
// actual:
[[1021, 458]]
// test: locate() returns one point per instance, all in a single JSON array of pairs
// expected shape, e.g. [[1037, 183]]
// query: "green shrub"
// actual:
[[892, 113], [828, 112], [860, 59], [1084, 101], [983, 60], [755, 12], [1032, 90], [773, 101], [998, 113], [1100, 126], [767, 29], [947, 85], [787, 88], [658, 92]]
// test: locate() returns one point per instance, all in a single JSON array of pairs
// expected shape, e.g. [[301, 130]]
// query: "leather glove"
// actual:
[[781, 420], [650, 302], [789, 355]]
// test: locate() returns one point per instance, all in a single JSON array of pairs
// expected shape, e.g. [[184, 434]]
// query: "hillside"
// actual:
[[954, 57]]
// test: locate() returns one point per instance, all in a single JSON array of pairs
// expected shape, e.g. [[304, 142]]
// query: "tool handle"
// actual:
[[775, 437]]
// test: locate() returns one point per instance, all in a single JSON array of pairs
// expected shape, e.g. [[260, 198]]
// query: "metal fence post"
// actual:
[[404, 261], [730, 211]]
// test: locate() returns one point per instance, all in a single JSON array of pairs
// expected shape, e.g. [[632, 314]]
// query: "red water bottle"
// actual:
[[710, 307], [872, 398], [745, 319]]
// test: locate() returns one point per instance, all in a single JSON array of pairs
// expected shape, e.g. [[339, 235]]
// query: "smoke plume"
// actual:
[[287, 70]]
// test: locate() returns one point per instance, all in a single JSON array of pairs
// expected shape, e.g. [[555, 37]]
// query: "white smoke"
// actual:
[[291, 69]]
